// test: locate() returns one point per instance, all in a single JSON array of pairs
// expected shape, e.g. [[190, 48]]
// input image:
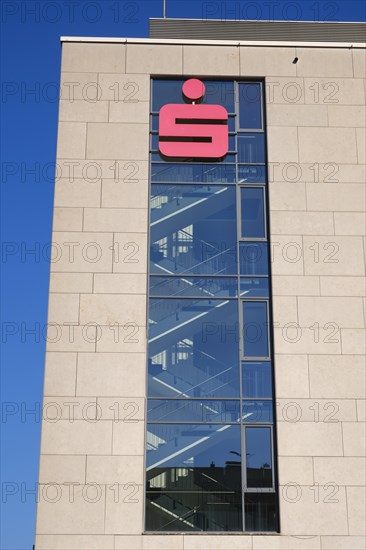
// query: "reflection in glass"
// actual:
[[170, 91], [254, 288], [162, 172], [250, 105], [259, 457], [193, 230], [251, 148], [193, 348], [192, 410], [202, 287], [251, 174], [252, 213], [154, 143], [255, 329], [210, 400], [228, 159], [194, 511], [193, 457], [220, 93], [260, 512], [257, 379], [257, 411], [254, 258], [167, 91]]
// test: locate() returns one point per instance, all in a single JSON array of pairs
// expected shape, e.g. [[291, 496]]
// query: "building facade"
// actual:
[[205, 373]]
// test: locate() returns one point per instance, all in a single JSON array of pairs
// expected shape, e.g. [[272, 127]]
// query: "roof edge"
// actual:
[[179, 41], [290, 21]]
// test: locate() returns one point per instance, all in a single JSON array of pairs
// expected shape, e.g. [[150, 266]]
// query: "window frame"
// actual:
[[256, 358], [241, 357], [239, 208], [261, 87], [247, 489]]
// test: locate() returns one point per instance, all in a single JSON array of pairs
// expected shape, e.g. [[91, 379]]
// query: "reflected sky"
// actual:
[[255, 329], [217, 92], [250, 98], [252, 213]]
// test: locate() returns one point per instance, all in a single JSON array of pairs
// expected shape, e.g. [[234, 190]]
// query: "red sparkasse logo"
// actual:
[[193, 130]]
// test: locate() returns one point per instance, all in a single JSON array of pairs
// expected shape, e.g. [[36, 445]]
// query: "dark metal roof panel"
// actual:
[[282, 31]]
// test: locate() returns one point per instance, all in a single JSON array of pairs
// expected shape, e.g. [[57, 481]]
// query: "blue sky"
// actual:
[[30, 68]]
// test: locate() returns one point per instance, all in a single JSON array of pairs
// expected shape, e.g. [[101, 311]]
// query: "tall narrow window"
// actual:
[[255, 329], [250, 111], [252, 213], [210, 462]]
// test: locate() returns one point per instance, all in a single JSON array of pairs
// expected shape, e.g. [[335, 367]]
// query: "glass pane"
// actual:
[[154, 144], [255, 329], [254, 288], [170, 91], [254, 258], [257, 379], [193, 457], [252, 213], [260, 512], [193, 230], [231, 124], [193, 348], [207, 405], [251, 174], [251, 148], [154, 123], [250, 105], [192, 410], [157, 157], [257, 411], [220, 93], [194, 511], [192, 173], [203, 287], [259, 457], [166, 91]]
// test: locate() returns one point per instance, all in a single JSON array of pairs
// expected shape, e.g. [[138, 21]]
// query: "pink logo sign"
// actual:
[[191, 130]]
